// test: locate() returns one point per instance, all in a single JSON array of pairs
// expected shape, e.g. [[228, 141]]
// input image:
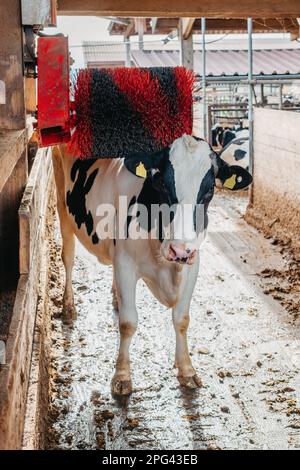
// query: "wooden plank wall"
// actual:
[[14, 376]]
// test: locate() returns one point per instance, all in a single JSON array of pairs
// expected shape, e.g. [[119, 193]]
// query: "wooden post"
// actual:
[[13, 154], [186, 48], [12, 112], [140, 26]]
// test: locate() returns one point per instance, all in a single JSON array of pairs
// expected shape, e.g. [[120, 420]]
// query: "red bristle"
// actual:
[[82, 140], [185, 80], [149, 100]]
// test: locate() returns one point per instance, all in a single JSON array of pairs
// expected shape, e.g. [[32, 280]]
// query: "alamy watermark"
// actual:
[[135, 221]]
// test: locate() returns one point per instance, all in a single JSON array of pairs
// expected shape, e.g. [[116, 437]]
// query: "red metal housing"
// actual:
[[53, 114]]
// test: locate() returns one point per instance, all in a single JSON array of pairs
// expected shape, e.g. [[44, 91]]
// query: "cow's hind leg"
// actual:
[[187, 375], [125, 288], [68, 239]]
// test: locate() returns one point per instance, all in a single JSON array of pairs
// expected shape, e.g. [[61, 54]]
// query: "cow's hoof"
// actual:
[[69, 314], [121, 387], [191, 382]]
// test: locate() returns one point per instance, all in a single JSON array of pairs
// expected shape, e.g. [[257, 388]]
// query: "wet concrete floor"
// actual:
[[243, 344]]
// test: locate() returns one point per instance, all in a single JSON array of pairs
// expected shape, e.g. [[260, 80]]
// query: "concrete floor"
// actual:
[[243, 343]]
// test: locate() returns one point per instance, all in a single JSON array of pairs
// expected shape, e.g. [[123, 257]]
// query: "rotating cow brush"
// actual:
[[121, 111], [114, 112]]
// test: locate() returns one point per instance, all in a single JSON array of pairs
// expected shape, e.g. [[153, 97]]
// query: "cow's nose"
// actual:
[[179, 252]]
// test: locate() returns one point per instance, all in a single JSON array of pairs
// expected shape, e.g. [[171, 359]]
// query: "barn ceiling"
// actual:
[[219, 26], [182, 8]]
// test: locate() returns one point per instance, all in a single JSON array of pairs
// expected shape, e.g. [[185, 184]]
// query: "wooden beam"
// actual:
[[219, 25], [216, 25], [187, 27], [182, 8], [12, 112], [295, 34], [166, 25], [130, 30], [240, 25]]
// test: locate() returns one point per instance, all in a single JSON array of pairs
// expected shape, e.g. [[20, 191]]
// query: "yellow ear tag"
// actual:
[[230, 182], [141, 170]]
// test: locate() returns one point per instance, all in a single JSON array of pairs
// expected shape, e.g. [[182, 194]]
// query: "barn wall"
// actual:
[[276, 191], [15, 374]]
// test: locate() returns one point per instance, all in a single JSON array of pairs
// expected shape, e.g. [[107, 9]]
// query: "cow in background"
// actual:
[[234, 145], [221, 136], [236, 151]]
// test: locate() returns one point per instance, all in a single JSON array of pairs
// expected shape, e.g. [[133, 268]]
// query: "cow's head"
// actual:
[[216, 134], [182, 177]]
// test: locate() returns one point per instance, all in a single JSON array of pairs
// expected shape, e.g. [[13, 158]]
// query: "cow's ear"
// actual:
[[141, 164], [232, 177]]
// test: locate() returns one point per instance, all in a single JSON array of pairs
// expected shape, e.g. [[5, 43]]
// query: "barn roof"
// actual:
[[103, 52], [226, 62], [222, 59]]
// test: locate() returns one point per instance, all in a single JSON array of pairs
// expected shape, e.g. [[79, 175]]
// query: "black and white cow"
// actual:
[[234, 145], [217, 132], [237, 151], [89, 191], [221, 136]]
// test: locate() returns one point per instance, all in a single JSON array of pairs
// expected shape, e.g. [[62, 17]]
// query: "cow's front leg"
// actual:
[[187, 375], [125, 283]]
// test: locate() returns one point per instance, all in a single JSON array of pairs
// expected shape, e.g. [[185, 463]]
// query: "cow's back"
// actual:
[[90, 190]]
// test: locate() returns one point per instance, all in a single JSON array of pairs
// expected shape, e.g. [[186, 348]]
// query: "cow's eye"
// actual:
[[154, 171]]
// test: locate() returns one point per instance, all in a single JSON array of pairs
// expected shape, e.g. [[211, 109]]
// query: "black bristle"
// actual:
[[117, 128], [167, 81]]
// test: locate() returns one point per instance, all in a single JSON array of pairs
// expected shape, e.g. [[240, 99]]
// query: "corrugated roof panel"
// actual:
[[231, 62]]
